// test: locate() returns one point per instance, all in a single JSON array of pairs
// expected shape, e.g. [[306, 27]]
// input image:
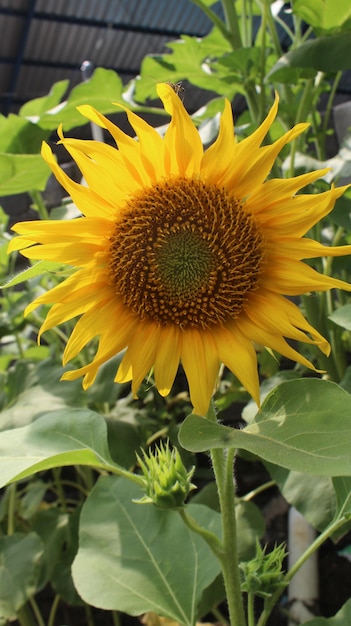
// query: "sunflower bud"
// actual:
[[263, 574], [166, 480]]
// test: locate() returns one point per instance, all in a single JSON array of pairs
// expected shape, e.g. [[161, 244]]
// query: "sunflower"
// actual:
[[182, 255]]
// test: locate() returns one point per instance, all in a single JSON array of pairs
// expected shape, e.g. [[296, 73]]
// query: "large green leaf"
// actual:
[[20, 173], [59, 534], [103, 88], [324, 15], [18, 136], [313, 496], [20, 557], [190, 60], [304, 425], [35, 107], [129, 555], [342, 618], [325, 54], [66, 437], [342, 316]]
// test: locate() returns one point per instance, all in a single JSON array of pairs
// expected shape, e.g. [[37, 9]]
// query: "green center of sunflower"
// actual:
[[185, 252]]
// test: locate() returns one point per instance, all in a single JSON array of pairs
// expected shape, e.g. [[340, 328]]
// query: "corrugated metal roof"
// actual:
[[42, 41]]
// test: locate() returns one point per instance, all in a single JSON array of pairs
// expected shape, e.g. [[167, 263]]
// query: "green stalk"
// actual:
[[315, 313], [264, 21], [330, 102], [222, 461], [232, 23], [302, 114], [53, 611], [36, 611], [250, 609], [216, 21], [39, 204], [211, 539], [11, 509]]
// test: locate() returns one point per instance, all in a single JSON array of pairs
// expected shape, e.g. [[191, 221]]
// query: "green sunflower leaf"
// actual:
[[20, 566], [60, 438], [321, 14], [129, 557], [190, 59], [31, 272], [101, 90], [20, 173], [304, 425], [313, 496], [325, 54], [342, 316], [342, 618]]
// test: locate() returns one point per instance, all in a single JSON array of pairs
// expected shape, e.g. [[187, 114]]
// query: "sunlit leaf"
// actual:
[[31, 272], [100, 91], [324, 15], [20, 173], [45, 103], [129, 557], [18, 136], [325, 54], [67, 437], [304, 425], [190, 59]]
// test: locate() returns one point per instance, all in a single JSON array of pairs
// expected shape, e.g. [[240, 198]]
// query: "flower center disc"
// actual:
[[184, 252]]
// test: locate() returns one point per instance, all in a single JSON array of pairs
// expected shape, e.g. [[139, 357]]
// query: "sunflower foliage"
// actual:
[[188, 283]]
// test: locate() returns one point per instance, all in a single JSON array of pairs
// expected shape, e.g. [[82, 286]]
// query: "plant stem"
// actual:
[[53, 610], [222, 461], [250, 609], [315, 312], [216, 21], [252, 494], [39, 204], [232, 23], [36, 611], [11, 509], [211, 539]]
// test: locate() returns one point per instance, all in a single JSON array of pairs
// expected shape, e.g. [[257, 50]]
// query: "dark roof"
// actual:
[[43, 41]]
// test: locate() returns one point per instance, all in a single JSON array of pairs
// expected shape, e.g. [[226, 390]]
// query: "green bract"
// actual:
[[167, 482]]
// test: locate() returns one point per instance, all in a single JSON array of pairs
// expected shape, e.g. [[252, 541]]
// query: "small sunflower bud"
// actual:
[[263, 574], [167, 483]]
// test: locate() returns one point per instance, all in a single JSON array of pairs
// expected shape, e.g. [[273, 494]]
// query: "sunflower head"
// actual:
[[183, 255]]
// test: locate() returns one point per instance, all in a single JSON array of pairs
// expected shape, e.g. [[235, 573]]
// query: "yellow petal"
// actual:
[[88, 202], [107, 319], [238, 354], [200, 360], [68, 253], [182, 140], [303, 248], [276, 314], [167, 359], [292, 278], [219, 157], [253, 168], [273, 341]]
